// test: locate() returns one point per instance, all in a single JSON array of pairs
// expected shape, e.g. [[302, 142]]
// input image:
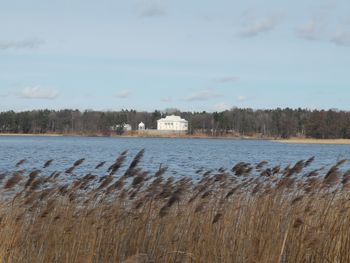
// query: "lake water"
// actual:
[[182, 156]]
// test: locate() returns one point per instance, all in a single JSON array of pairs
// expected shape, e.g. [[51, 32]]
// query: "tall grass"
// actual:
[[251, 213]]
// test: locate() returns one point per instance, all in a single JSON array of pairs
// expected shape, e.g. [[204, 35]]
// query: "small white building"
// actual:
[[142, 126], [172, 123]]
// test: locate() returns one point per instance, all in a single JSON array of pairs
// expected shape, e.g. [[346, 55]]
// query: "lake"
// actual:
[[183, 157]]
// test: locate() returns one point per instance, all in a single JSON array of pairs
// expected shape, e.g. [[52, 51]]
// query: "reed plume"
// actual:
[[19, 163], [47, 163], [13, 180]]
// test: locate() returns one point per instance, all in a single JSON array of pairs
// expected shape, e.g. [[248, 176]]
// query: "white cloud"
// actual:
[[202, 95], [222, 106], [124, 94], [312, 30], [254, 28], [315, 29], [341, 37], [23, 44], [226, 79], [150, 8], [38, 93], [241, 98]]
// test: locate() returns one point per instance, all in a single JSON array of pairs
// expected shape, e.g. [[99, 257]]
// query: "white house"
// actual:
[[172, 123], [142, 126]]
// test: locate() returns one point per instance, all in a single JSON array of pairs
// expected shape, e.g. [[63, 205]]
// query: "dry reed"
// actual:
[[253, 213]]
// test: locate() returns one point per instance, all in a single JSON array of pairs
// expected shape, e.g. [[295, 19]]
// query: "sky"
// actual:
[[158, 54]]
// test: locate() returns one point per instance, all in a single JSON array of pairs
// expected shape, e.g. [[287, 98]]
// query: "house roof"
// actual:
[[173, 118]]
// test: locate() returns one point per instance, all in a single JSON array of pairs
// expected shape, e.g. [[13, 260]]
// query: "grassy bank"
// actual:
[[32, 134], [250, 213], [315, 141], [135, 134]]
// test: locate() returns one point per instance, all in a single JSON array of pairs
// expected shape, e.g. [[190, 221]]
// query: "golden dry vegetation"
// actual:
[[250, 213], [315, 141]]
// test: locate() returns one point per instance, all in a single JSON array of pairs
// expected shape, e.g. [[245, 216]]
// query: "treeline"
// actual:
[[277, 123]]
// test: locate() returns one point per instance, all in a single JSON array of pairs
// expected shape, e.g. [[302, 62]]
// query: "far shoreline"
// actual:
[[170, 136], [314, 141], [185, 136], [31, 135]]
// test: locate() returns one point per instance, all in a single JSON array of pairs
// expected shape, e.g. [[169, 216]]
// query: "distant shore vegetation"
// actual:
[[237, 122]]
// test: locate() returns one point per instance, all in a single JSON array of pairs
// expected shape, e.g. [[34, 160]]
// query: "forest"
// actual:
[[274, 123]]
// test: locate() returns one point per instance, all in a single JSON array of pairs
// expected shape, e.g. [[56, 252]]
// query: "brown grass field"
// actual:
[[314, 141], [250, 213]]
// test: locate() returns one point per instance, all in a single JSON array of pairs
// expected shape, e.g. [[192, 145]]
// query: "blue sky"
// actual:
[[158, 54]]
